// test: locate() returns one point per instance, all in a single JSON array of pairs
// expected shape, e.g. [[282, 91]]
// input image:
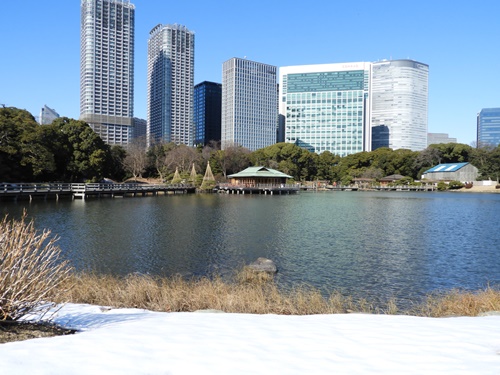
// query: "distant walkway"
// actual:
[[21, 191]]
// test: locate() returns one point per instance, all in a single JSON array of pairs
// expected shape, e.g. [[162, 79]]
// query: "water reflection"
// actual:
[[374, 245]]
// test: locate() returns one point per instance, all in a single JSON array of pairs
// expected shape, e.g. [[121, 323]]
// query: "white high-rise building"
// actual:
[[326, 107], [249, 104], [170, 85], [107, 68], [399, 94]]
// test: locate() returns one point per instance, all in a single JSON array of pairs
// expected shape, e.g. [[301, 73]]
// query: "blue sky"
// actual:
[[459, 40]]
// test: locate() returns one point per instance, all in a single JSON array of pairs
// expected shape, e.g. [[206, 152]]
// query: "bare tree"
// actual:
[[158, 157], [233, 159], [182, 157], [136, 160]]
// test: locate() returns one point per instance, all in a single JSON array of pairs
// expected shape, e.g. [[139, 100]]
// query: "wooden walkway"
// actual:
[[15, 191]]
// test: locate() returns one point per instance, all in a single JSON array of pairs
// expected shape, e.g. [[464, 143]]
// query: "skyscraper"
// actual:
[[170, 85], [249, 104], [107, 68], [399, 92], [47, 115], [488, 127], [207, 112], [326, 107]]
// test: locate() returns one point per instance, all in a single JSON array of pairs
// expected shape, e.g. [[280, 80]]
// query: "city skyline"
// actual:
[[454, 40]]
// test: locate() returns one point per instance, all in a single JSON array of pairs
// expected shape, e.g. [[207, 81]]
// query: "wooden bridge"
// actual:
[[15, 191]]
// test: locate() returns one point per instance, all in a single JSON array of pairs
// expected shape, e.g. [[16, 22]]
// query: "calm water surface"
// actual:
[[375, 245]]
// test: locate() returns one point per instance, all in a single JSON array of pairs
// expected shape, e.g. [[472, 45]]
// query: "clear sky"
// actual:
[[459, 40]]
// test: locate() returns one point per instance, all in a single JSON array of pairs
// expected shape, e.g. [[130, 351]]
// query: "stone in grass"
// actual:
[[263, 265]]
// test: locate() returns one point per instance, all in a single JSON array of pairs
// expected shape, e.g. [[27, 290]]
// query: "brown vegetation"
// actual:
[[255, 293], [31, 270]]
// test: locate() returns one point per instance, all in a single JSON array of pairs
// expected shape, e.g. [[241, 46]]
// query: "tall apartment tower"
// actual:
[[326, 107], [170, 85], [207, 112], [399, 94], [249, 104], [488, 127], [107, 68]]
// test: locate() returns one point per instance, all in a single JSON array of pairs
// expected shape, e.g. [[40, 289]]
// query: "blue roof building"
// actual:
[[451, 172]]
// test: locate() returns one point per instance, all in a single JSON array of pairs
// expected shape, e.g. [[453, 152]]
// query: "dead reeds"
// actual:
[[254, 293]]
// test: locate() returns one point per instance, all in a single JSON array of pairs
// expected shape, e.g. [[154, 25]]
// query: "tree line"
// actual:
[[69, 150]]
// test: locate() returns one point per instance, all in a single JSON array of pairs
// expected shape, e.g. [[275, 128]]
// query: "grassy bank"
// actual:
[[253, 293]]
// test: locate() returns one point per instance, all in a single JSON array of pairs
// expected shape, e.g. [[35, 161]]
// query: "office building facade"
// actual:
[[437, 138], [170, 85], [207, 112], [488, 127], [107, 68], [249, 104], [326, 107], [47, 115], [399, 104]]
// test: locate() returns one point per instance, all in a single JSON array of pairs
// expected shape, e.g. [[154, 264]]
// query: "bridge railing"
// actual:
[[17, 188]]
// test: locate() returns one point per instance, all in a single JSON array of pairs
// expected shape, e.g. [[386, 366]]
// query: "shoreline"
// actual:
[[478, 189]]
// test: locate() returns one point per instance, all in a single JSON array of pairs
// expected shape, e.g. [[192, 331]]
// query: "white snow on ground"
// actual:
[[133, 341]]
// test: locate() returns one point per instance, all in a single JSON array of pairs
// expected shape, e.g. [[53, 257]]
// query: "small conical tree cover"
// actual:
[[209, 179], [192, 177], [177, 177]]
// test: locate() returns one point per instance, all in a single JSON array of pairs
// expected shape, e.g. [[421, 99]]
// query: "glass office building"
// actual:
[[207, 112], [170, 85], [488, 127], [107, 68], [399, 102], [249, 104], [326, 107], [47, 115]]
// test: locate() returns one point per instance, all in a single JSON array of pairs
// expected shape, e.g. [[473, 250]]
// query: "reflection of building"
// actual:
[[47, 115], [249, 109], [170, 84], [207, 112], [488, 127], [107, 68], [399, 97], [436, 138], [451, 172], [326, 107]]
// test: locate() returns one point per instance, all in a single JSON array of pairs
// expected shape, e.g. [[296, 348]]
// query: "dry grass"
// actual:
[[253, 293], [249, 292], [460, 303], [31, 269]]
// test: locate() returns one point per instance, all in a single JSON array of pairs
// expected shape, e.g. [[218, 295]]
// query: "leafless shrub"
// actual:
[[31, 269]]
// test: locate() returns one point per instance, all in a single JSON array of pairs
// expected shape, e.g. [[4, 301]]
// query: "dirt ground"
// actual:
[[13, 331]]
